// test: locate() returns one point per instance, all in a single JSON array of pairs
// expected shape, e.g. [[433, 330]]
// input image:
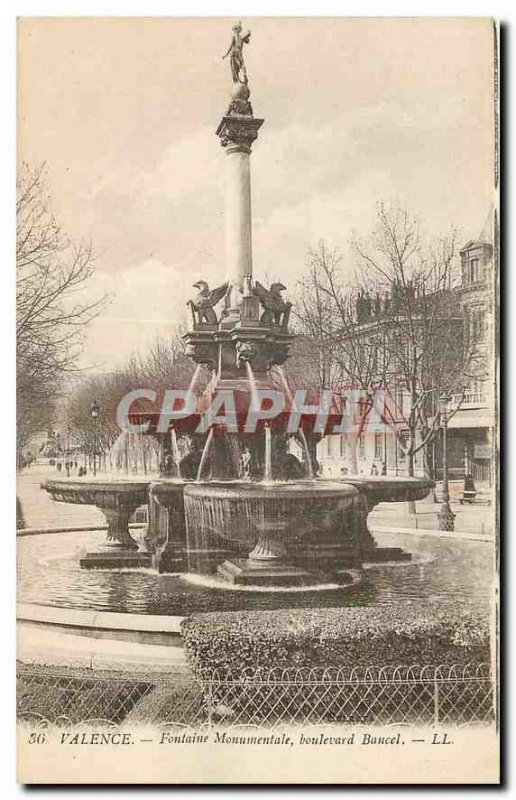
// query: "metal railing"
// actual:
[[425, 695], [469, 399]]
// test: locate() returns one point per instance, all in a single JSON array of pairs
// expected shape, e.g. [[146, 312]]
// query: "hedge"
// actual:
[[335, 637]]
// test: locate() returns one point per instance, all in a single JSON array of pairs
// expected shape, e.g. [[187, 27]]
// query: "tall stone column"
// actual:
[[238, 214], [237, 130]]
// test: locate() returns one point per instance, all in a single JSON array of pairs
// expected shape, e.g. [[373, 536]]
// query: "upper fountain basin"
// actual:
[[386, 489], [73, 490]]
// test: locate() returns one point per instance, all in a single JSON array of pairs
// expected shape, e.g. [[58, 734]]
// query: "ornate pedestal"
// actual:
[[167, 534], [384, 490], [267, 564]]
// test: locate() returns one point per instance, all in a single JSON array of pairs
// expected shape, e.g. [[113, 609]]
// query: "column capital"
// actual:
[[238, 133]]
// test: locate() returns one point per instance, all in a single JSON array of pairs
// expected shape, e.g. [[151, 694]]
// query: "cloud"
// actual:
[[147, 298], [187, 166]]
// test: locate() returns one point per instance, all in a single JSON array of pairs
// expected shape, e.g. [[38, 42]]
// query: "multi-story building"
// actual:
[[472, 415], [471, 427]]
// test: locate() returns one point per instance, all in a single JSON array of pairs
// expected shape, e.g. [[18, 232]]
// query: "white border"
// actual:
[[504, 11]]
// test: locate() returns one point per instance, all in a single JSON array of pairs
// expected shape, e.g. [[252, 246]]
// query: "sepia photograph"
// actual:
[[257, 400]]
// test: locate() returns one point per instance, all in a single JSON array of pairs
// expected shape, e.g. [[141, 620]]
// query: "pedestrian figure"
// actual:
[[468, 492]]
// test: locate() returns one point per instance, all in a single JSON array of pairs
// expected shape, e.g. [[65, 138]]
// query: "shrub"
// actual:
[[336, 637]]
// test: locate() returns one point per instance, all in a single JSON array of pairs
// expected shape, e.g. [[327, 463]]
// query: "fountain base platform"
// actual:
[[246, 572]]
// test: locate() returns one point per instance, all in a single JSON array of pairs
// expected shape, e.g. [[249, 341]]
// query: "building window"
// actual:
[[402, 443], [378, 445], [477, 324], [360, 408], [361, 446], [399, 401], [474, 270]]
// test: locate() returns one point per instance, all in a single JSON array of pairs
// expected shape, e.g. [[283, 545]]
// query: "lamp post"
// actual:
[[57, 449], [67, 451], [374, 387], [446, 516], [95, 409]]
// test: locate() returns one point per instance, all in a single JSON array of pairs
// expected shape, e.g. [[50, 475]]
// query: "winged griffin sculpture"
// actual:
[[202, 304], [275, 310]]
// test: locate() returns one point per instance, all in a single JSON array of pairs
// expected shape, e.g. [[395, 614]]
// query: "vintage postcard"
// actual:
[[257, 417]]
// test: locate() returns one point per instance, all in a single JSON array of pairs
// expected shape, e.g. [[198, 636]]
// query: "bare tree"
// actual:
[[327, 316], [106, 390], [163, 366], [51, 316], [396, 326], [315, 312], [431, 351]]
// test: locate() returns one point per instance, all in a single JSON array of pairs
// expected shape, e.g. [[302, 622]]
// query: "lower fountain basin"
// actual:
[[280, 533], [272, 534]]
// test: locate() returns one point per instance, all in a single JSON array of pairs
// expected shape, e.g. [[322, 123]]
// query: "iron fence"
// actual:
[[425, 695]]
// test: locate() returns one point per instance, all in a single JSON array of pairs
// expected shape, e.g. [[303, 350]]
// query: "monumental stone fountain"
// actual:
[[239, 505]]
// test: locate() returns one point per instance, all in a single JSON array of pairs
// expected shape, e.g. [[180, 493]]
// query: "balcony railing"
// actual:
[[469, 399]]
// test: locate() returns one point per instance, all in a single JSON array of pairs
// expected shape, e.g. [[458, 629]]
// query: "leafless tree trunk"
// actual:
[[52, 309], [397, 326]]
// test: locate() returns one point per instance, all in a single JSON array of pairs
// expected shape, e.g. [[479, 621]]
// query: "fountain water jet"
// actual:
[[267, 473], [206, 450], [175, 451], [308, 457], [195, 378]]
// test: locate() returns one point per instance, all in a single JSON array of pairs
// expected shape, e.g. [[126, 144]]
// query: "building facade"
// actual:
[[472, 421]]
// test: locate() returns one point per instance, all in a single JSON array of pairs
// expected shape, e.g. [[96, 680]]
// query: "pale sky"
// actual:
[[124, 111]]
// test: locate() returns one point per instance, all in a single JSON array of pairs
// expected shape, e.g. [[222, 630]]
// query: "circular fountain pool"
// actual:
[[442, 572]]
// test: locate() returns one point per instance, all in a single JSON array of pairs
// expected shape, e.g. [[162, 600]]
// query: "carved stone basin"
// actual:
[[118, 499], [384, 489], [272, 534]]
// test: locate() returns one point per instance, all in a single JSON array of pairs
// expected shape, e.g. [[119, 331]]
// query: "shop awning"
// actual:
[[468, 419]]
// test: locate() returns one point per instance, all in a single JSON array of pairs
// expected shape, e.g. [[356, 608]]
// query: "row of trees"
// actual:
[[417, 346], [52, 312], [163, 366]]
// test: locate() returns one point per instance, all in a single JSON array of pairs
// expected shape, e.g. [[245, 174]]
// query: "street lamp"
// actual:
[[58, 449], [446, 516], [95, 410], [67, 451]]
